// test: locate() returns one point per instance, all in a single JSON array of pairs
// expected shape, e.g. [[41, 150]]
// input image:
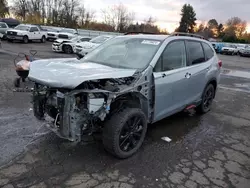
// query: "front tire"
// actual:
[[25, 39], [43, 39], [207, 99], [124, 132], [67, 49]]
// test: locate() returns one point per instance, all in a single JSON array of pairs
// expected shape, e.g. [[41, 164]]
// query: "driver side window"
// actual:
[[173, 57], [33, 29]]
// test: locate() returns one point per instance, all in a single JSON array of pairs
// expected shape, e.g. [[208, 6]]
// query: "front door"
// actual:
[[171, 82]]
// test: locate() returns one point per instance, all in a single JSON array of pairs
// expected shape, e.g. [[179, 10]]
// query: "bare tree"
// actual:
[[20, 9], [118, 16]]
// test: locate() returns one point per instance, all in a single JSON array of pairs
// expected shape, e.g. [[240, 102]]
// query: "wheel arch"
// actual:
[[212, 81], [132, 100]]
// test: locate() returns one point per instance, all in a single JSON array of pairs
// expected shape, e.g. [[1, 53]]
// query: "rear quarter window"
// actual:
[[195, 51], [209, 53]]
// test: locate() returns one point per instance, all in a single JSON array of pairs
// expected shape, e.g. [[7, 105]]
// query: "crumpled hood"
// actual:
[[71, 72]]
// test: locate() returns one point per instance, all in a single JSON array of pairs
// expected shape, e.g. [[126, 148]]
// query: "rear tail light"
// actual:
[[220, 63]]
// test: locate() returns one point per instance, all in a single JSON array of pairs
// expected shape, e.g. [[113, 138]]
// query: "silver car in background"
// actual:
[[123, 85], [245, 52], [82, 48]]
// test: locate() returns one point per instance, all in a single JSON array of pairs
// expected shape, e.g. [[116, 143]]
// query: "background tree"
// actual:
[[4, 9], [212, 25], [188, 18], [118, 16], [147, 26], [220, 30], [235, 26]]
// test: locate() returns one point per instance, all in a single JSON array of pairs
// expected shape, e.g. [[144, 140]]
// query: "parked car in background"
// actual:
[[122, 86], [67, 33], [11, 22], [81, 49], [245, 52], [67, 45], [52, 33], [26, 33], [3, 30], [1, 36], [229, 49]]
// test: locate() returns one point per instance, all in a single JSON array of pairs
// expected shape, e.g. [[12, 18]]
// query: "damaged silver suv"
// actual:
[[124, 85]]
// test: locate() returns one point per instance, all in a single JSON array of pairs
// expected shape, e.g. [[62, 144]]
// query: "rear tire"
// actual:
[[25, 39], [119, 138], [10, 40], [207, 99]]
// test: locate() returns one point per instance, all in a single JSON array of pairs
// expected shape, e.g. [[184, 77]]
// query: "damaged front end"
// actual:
[[74, 113]]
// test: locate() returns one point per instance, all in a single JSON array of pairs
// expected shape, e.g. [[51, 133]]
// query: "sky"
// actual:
[[167, 12]]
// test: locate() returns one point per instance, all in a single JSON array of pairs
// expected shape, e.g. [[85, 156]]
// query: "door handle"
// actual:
[[163, 75], [188, 75]]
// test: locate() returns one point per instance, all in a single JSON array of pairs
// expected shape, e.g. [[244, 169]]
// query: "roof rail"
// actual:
[[137, 33], [187, 34]]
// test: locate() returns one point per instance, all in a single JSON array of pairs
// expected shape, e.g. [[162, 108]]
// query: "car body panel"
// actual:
[[169, 91], [70, 72], [4, 29], [57, 45], [52, 35]]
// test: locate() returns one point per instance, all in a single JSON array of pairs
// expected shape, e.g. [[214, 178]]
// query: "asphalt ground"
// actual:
[[212, 150]]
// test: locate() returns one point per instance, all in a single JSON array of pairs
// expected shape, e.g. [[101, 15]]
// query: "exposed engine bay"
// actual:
[[74, 113]]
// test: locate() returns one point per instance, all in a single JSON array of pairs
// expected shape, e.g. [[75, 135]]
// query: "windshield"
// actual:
[[67, 31], [75, 39], [124, 52], [22, 27], [2, 25], [99, 39]]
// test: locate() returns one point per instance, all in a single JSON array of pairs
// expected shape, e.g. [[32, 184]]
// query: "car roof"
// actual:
[[146, 36], [29, 25], [163, 37]]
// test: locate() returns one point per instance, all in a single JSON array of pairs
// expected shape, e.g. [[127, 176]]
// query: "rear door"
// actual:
[[199, 65], [170, 81]]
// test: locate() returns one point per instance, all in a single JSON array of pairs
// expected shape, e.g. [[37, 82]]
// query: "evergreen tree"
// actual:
[[188, 18]]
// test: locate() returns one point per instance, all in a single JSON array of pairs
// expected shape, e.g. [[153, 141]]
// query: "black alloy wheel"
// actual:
[[131, 134]]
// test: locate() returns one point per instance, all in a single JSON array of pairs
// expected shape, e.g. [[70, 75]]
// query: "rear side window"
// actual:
[[208, 51], [195, 51]]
